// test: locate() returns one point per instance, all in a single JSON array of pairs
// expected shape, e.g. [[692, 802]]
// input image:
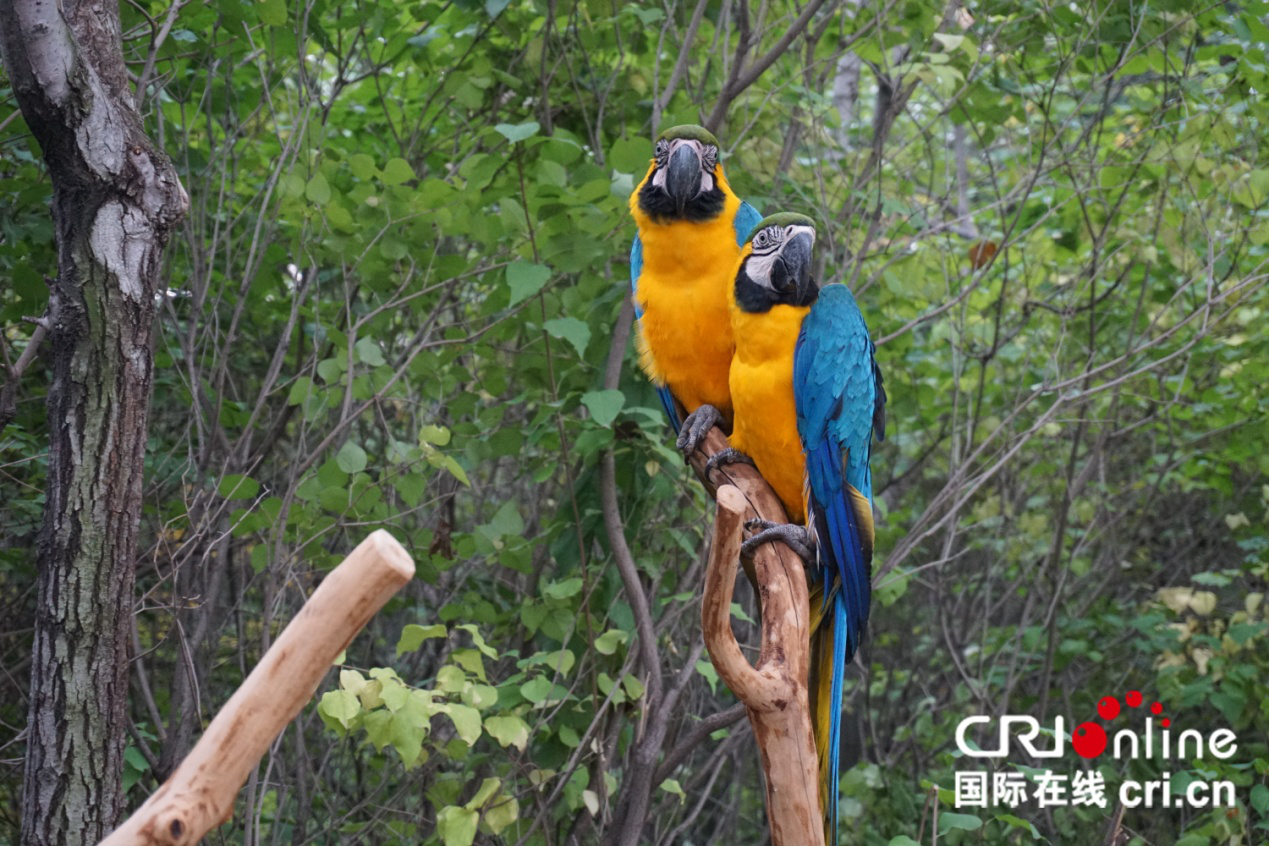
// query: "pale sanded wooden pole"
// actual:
[[774, 691], [200, 794]]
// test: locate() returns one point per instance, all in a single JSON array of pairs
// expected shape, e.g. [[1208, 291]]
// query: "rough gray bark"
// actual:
[[846, 94], [846, 84], [115, 198]]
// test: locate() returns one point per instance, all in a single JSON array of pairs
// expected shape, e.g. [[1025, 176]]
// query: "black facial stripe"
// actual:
[[750, 296], [754, 298], [656, 204]]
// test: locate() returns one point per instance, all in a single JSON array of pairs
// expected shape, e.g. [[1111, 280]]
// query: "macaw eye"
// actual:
[[760, 240], [662, 149], [711, 157]]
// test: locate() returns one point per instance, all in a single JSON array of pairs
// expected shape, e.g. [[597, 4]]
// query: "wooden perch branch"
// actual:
[[200, 794], [774, 691]]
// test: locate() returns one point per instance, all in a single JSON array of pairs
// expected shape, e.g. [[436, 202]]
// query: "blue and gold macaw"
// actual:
[[691, 225], [807, 397]]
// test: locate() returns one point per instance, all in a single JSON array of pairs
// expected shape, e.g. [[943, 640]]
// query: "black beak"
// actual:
[[792, 273], [683, 176]]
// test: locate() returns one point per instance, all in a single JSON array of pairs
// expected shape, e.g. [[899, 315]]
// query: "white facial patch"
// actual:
[[767, 244]]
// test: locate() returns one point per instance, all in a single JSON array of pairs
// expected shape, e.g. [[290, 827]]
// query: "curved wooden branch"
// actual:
[[200, 794], [720, 581], [774, 690]]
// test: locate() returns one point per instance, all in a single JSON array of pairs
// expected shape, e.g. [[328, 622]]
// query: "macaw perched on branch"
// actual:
[[691, 225], [807, 396]]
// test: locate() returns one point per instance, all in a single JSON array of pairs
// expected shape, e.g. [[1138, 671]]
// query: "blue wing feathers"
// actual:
[[636, 268], [840, 404], [747, 217]]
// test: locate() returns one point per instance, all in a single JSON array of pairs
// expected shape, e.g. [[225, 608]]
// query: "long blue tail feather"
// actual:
[[841, 646], [671, 408]]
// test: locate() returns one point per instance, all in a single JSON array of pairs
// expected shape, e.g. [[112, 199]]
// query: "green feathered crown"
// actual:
[[781, 219], [690, 131]]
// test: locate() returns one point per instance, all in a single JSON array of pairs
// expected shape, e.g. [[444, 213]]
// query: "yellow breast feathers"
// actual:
[[766, 426], [685, 331]]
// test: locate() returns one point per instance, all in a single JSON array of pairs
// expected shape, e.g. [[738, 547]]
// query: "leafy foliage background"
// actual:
[[398, 302]]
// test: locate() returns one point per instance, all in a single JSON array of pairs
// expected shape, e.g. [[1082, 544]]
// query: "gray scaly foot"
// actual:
[[798, 538], [727, 456], [697, 424]]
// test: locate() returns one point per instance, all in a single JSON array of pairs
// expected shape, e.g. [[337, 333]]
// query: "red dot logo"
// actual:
[[1108, 708], [1156, 709], [1089, 740], [1134, 698], [1166, 722]]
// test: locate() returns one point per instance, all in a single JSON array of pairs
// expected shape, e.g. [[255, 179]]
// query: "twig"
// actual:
[[9, 393]]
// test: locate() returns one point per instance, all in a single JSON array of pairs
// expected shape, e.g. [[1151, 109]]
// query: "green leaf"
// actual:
[[456, 826], [135, 759], [564, 589], [362, 166], [378, 726], [506, 521], [671, 785], [519, 131], [509, 731], [343, 706], [394, 694], [437, 435], [604, 406], [317, 190], [1260, 798], [476, 638], [330, 370], [965, 822], [706, 668], [634, 687], [525, 279], [466, 721], [607, 643], [1019, 822], [413, 636], [501, 814], [487, 789], [536, 690], [406, 736], [469, 660], [351, 458], [902, 840], [397, 171], [570, 329], [455, 469], [560, 661], [368, 352], [480, 696], [351, 681], [300, 390], [272, 12], [238, 487]]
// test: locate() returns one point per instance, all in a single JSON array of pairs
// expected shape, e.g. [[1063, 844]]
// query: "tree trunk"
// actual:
[[115, 198]]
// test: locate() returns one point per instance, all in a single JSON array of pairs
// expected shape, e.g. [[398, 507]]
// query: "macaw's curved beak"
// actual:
[[792, 272], [683, 175]]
